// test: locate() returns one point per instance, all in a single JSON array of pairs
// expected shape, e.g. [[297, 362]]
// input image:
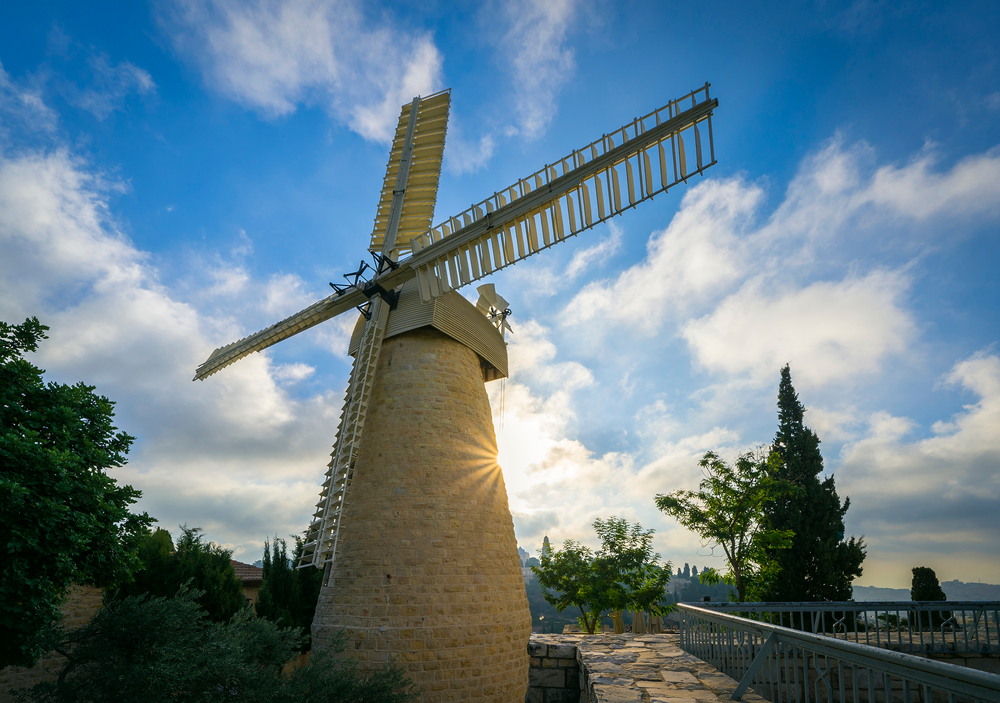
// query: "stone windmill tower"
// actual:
[[413, 527]]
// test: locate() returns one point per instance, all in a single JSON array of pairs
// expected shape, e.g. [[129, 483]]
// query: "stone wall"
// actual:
[[624, 668], [81, 604], [554, 671]]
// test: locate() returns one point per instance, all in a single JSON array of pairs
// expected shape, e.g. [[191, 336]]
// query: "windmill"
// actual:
[[384, 582]]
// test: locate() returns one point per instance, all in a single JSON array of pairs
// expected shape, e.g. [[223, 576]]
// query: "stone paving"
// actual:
[[644, 669]]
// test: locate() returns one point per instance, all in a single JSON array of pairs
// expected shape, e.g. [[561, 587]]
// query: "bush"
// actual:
[[205, 566], [167, 650]]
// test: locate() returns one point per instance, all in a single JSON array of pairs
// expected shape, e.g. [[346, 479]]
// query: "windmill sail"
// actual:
[[561, 200], [415, 212], [587, 187], [304, 319], [590, 185], [425, 172], [411, 185]]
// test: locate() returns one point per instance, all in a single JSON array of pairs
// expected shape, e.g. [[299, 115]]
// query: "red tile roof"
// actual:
[[247, 572]]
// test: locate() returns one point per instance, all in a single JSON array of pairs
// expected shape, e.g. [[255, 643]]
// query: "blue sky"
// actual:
[[174, 175]]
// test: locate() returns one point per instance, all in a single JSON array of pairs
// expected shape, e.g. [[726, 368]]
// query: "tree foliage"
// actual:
[[925, 586], [622, 575], [288, 595], [728, 512], [63, 520], [167, 650], [819, 565], [205, 567]]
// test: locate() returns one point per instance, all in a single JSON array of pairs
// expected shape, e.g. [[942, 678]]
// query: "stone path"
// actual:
[[644, 669]]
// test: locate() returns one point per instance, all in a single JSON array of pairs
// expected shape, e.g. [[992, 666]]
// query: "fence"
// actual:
[[784, 664], [905, 626]]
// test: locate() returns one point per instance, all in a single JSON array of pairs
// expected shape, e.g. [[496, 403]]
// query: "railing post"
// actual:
[[758, 661]]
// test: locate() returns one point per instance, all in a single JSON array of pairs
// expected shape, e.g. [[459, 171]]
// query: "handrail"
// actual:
[[916, 626], [803, 666]]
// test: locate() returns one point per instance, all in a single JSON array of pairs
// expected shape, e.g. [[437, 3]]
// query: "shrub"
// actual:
[[167, 650]]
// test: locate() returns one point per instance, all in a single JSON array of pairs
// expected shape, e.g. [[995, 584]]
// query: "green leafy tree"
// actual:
[[206, 567], [167, 650], [288, 595], [819, 565], [63, 520], [728, 513], [622, 575], [925, 587]]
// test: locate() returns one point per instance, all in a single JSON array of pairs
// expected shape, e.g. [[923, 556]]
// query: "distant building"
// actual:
[[251, 577], [526, 563]]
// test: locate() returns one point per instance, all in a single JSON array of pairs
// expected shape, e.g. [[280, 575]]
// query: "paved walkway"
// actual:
[[645, 669]]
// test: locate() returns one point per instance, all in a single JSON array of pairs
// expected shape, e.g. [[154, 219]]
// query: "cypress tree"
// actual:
[[276, 597], [288, 595], [820, 564], [925, 587]]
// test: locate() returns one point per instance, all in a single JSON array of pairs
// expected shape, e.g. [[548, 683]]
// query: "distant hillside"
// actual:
[[866, 593], [955, 590]]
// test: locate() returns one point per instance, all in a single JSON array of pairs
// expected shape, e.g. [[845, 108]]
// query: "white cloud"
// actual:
[[600, 252], [749, 297], [111, 85], [22, 107], [971, 187], [933, 499], [535, 48], [690, 261], [293, 373], [285, 294], [236, 455], [273, 56], [463, 156], [827, 331], [548, 467]]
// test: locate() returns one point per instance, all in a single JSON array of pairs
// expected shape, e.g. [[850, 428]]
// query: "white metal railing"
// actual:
[[906, 626], [782, 664]]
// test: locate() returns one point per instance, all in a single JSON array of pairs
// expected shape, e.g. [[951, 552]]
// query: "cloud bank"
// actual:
[[239, 457], [273, 56]]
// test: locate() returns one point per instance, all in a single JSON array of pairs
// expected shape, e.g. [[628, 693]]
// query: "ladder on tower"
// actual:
[[422, 126], [324, 531]]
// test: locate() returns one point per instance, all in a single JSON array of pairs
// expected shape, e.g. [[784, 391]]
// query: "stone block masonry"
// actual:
[[427, 573], [554, 671], [82, 602]]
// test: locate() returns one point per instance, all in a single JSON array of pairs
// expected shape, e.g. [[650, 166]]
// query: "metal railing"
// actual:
[[904, 626], [784, 664]]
